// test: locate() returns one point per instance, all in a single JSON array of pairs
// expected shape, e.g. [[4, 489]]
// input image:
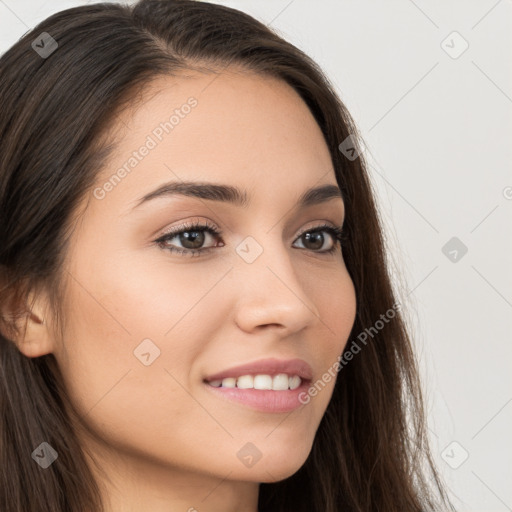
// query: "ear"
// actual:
[[33, 335]]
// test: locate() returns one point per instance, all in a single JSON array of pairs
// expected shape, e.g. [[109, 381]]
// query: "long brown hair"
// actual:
[[370, 451]]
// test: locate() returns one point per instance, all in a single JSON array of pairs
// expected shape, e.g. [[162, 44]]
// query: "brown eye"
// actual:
[[314, 239], [188, 239]]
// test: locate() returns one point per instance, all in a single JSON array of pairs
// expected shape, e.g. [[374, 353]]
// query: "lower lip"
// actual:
[[264, 400]]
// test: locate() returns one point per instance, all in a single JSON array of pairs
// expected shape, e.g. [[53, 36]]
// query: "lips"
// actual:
[[270, 367]]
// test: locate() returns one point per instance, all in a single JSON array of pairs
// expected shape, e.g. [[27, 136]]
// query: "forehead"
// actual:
[[235, 126]]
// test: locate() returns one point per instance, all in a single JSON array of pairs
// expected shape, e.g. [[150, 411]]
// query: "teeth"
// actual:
[[279, 382], [229, 382], [294, 382], [244, 382], [262, 382]]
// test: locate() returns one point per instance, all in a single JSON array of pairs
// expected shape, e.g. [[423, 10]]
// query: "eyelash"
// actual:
[[337, 232]]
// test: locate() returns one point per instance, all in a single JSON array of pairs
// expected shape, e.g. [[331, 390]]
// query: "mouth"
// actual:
[[268, 385], [263, 393]]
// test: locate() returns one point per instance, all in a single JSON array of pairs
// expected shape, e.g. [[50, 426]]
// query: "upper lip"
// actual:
[[270, 366]]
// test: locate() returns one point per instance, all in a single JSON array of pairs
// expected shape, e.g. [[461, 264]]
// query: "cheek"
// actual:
[[124, 315], [132, 337], [336, 303]]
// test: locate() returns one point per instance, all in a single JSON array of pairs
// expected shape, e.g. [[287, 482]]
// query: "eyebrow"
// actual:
[[234, 195]]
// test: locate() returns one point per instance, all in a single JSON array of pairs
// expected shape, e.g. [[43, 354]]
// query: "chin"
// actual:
[[271, 475], [275, 468]]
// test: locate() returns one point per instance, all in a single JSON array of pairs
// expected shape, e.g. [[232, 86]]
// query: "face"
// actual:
[[149, 319]]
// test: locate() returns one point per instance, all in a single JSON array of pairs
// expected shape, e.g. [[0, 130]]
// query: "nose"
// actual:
[[270, 293]]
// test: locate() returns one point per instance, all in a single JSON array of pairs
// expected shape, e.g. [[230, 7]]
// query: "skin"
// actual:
[[163, 441]]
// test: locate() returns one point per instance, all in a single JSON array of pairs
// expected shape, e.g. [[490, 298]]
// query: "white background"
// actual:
[[437, 130]]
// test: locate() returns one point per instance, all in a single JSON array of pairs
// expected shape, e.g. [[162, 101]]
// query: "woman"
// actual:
[[196, 311]]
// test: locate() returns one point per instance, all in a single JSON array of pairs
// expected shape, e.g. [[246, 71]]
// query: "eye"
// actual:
[[193, 236], [315, 238]]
